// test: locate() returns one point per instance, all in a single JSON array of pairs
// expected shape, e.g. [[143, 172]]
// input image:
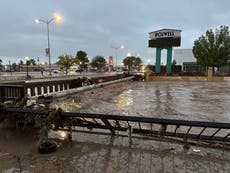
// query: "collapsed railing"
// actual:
[[196, 130]]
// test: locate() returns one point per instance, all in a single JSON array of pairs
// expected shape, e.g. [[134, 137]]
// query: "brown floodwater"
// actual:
[[205, 101], [181, 100]]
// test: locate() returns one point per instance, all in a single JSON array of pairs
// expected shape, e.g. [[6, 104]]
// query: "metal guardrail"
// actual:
[[197, 130], [11, 92]]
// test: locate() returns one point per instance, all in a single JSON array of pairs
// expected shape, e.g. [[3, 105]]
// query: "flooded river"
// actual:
[[179, 100], [205, 101]]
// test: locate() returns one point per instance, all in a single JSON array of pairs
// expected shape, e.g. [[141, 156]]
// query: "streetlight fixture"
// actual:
[[10, 68], [116, 48], [128, 54], [57, 18], [148, 61], [27, 68], [42, 68]]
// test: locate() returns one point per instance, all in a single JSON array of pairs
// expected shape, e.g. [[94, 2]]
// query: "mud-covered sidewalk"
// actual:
[[103, 153]]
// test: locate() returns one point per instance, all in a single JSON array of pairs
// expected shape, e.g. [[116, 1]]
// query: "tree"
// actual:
[[20, 65], [98, 62], [128, 61], [81, 59], [132, 61], [14, 67], [31, 62], [21, 62], [137, 62], [174, 62], [0, 61], [213, 49], [65, 61]]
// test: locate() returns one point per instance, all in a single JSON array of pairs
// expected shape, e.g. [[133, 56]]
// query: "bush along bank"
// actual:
[[41, 120]]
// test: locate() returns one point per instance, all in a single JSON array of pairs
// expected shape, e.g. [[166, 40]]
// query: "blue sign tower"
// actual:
[[164, 39]]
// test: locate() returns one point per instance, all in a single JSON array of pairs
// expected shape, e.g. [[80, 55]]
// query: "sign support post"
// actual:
[[169, 60], [158, 60]]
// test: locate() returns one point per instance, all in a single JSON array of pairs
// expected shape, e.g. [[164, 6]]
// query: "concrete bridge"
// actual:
[[16, 90]]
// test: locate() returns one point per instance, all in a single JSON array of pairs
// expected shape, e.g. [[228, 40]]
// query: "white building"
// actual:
[[183, 55]]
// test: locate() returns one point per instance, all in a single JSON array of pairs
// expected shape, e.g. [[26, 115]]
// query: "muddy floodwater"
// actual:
[[179, 100], [203, 101]]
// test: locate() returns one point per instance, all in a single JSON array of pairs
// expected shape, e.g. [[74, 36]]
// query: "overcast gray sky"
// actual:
[[95, 25]]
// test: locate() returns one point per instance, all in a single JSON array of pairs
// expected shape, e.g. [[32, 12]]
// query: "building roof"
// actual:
[[166, 29]]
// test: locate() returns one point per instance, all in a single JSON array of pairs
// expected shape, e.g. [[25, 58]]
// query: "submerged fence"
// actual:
[[195, 130]]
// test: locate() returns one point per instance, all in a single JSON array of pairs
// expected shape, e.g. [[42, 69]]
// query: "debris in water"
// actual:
[[196, 150]]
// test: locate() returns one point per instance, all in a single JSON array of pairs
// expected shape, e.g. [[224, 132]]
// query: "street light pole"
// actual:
[[10, 68], [27, 70], [116, 48], [58, 18], [48, 35], [27, 67], [38, 61], [47, 22]]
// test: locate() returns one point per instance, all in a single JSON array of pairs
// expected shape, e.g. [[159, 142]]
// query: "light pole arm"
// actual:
[[45, 21], [49, 21]]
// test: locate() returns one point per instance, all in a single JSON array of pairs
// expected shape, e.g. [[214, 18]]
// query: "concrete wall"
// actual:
[[188, 78], [227, 79], [86, 88]]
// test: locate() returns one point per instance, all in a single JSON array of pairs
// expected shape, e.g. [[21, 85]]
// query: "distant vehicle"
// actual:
[[37, 69], [55, 71], [79, 70], [73, 69], [92, 70]]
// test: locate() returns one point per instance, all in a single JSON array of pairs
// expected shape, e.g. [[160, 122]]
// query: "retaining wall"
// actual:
[[188, 78]]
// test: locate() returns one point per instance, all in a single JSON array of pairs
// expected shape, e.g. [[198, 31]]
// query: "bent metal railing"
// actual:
[[196, 130]]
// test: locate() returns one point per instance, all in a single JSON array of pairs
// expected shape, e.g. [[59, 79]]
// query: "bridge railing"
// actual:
[[11, 92], [196, 130]]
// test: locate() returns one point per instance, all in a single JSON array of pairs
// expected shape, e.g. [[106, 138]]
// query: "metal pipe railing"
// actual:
[[123, 123]]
